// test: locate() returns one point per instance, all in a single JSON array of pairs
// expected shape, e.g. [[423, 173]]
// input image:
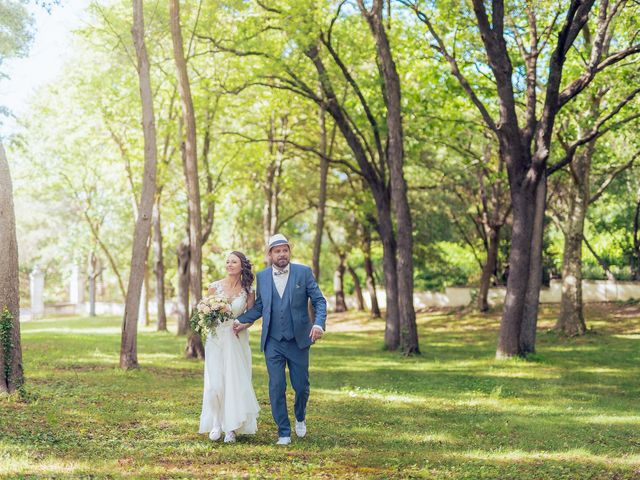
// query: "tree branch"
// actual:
[[453, 64], [611, 177], [596, 132]]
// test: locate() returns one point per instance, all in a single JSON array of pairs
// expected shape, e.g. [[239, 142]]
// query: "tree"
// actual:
[[389, 197], [395, 160], [194, 344], [524, 136], [128, 347], [15, 26], [573, 195], [11, 372]]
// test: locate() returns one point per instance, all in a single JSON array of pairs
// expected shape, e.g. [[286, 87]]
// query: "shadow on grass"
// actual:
[[454, 412]]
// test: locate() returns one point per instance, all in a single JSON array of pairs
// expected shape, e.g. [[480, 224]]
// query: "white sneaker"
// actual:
[[283, 441], [230, 437], [215, 434], [301, 428]]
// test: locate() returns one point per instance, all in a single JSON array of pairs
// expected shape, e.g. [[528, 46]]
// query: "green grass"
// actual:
[[573, 411]]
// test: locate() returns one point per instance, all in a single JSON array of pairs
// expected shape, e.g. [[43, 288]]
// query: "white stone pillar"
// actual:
[[76, 285], [36, 287]]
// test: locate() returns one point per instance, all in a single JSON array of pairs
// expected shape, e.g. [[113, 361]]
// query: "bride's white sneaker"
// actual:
[[230, 437], [301, 428], [215, 434], [283, 441]]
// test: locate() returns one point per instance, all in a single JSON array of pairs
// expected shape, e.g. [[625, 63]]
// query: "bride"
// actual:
[[229, 403]]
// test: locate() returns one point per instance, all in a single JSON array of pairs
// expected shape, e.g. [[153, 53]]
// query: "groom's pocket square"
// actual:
[[298, 285]]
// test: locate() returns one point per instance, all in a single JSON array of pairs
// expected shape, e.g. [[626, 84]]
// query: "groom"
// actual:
[[282, 297]]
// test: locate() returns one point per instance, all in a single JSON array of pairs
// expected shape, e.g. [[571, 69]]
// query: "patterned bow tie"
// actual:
[[277, 272]]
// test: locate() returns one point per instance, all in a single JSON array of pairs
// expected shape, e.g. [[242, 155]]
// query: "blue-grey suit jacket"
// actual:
[[303, 286]]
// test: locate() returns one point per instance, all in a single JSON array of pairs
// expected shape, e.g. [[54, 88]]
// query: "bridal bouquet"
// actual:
[[210, 312]]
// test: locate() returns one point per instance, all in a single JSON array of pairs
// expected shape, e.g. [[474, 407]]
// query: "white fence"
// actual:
[[102, 308], [592, 291]]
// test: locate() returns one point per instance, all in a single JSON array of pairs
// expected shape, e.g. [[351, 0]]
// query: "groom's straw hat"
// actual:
[[275, 240]]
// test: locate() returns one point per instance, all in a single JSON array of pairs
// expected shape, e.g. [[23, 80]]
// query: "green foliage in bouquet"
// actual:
[[210, 312]]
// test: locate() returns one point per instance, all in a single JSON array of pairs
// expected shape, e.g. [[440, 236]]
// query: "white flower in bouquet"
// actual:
[[210, 312]]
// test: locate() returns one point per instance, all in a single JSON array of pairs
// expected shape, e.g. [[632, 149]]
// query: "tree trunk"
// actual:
[[371, 281], [489, 268], [158, 268], [11, 371], [322, 195], [147, 291], [103, 246], [532, 299], [571, 320], [271, 186], [389, 266], [194, 344], [358, 288], [128, 347], [395, 161], [523, 204], [635, 258], [182, 254], [93, 275], [338, 285]]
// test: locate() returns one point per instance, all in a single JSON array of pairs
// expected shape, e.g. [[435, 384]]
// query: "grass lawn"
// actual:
[[454, 412]]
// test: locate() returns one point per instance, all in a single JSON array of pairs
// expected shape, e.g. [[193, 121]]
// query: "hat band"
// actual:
[[278, 242]]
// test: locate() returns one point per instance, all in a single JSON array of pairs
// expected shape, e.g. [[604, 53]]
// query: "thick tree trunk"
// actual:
[[523, 202], [395, 161], [195, 347], [489, 268], [389, 266], [371, 281], [182, 254], [158, 268], [338, 285], [194, 344], [358, 288], [11, 371], [571, 319], [532, 299], [128, 347]]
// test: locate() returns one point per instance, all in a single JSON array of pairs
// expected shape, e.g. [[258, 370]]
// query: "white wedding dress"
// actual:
[[229, 402]]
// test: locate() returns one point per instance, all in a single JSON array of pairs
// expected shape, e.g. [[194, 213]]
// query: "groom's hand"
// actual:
[[316, 333]]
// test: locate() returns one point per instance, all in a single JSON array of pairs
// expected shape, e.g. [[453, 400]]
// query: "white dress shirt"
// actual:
[[281, 280]]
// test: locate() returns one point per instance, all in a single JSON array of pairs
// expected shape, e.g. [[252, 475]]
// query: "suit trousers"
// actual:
[[280, 354]]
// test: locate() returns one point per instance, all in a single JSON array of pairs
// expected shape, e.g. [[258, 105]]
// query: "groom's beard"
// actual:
[[282, 263]]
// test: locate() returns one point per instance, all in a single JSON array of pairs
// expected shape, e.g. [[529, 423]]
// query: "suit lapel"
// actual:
[[291, 284], [267, 289]]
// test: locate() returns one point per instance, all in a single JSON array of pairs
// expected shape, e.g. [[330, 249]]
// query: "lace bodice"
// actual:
[[238, 302]]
